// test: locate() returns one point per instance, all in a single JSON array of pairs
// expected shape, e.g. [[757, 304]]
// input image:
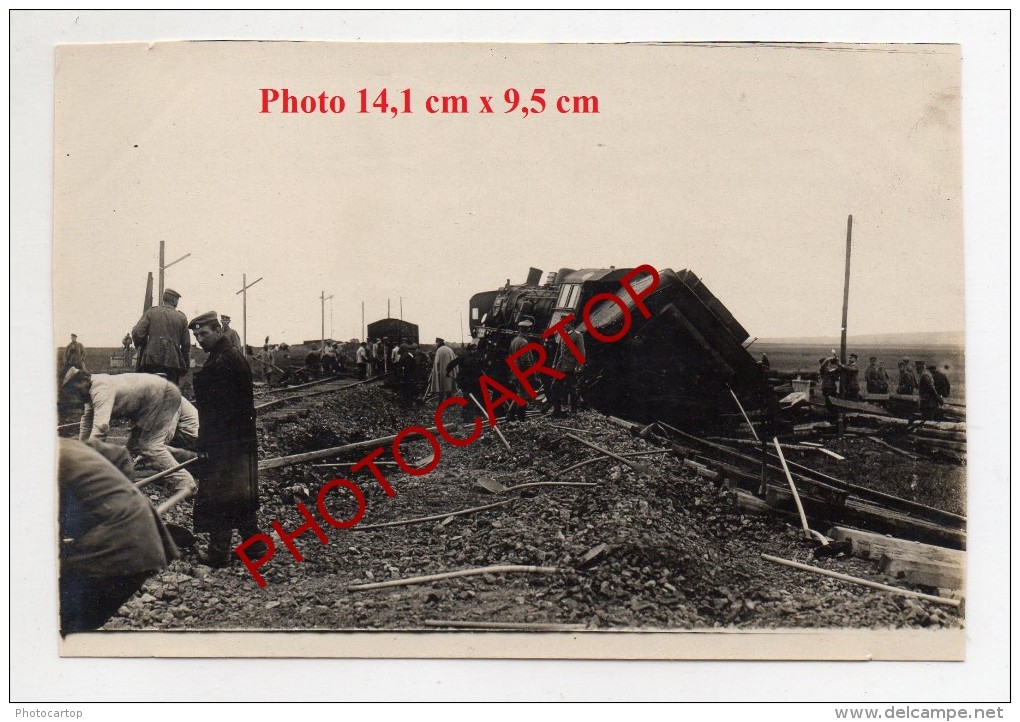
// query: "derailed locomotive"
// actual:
[[679, 365]]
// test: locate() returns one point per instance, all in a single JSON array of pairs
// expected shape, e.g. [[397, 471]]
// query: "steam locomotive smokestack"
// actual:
[[534, 276]]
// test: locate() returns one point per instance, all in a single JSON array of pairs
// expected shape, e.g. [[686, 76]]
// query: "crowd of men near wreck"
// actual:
[[842, 380], [112, 538]]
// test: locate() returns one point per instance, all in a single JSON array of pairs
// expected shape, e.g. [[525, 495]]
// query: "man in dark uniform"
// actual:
[[235, 340], [849, 383], [567, 363], [228, 495], [828, 372], [74, 355], [469, 371], [872, 381], [406, 373], [941, 381], [908, 381], [111, 539], [930, 400], [161, 337], [126, 344], [517, 413]]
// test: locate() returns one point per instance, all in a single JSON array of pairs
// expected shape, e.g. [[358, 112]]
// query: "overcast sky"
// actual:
[[740, 163]]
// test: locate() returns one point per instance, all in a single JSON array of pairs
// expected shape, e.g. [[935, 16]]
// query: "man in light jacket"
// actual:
[[150, 403]]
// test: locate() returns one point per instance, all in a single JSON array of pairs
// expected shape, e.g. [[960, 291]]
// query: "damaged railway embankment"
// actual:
[[664, 545]]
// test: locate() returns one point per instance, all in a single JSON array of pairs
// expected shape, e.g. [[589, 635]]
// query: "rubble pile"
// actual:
[[660, 550]]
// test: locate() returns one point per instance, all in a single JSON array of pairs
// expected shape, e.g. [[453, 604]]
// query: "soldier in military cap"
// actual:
[[235, 340], [228, 490], [162, 339]]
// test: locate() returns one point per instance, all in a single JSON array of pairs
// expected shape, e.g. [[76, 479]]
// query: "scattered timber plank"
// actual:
[[750, 464], [499, 569], [941, 444], [640, 468], [924, 572], [280, 461], [906, 506], [701, 469], [878, 518], [897, 449], [892, 420], [863, 582], [434, 517], [848, 405], [869, 545], [925, 432], [813, 426], [751, 504], [783, 500]]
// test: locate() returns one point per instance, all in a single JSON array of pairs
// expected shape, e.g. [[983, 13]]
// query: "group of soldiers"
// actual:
[[930, 383], [112, 539]]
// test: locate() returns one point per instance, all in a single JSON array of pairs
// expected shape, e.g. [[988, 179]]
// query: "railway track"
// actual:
[[277, 402]]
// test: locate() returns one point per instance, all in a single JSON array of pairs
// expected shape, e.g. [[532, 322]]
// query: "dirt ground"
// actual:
[[678, 553]]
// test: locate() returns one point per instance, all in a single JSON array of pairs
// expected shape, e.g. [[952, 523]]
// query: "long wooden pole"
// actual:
[[846, 290], [163, 474], [500, 569], [162, 249], [862, 582]]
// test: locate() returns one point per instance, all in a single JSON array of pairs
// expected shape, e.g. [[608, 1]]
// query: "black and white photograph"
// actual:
[[575, 350]]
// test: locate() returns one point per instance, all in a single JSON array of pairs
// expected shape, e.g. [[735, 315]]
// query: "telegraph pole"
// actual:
[[324, 298], [244, 314], [846, 290], [363, 321], [163, 266], [401, 308]]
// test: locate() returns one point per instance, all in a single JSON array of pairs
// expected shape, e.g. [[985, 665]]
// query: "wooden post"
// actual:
[[244, 313], [846, 290], [162, 249]]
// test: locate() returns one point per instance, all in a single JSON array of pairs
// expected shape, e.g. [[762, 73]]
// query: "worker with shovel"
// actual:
[[111, 539], [151, 403]]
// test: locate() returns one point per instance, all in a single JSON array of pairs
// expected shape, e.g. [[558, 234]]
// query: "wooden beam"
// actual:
[[863, 582], [925, 572], [326, 453], [869, 545]]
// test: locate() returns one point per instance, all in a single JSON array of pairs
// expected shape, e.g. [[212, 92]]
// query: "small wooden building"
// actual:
[[393, 329]]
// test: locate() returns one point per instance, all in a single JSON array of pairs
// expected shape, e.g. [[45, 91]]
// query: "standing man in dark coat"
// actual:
[[849, 383], [941, 382], [161, 337], [228, 495], [74, 355], [469, 370], [872, 382], [930, 401], [235, 340], [517, 413]]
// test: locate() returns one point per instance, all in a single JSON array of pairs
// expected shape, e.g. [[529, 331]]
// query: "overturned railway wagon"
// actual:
[[680, 364]]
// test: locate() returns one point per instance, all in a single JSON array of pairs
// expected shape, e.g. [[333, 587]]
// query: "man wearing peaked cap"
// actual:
[[162, 339], [206, 319], [227, 496], [235, 340]]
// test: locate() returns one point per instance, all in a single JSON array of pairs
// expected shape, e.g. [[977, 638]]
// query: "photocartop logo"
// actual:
[[493, 394]]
